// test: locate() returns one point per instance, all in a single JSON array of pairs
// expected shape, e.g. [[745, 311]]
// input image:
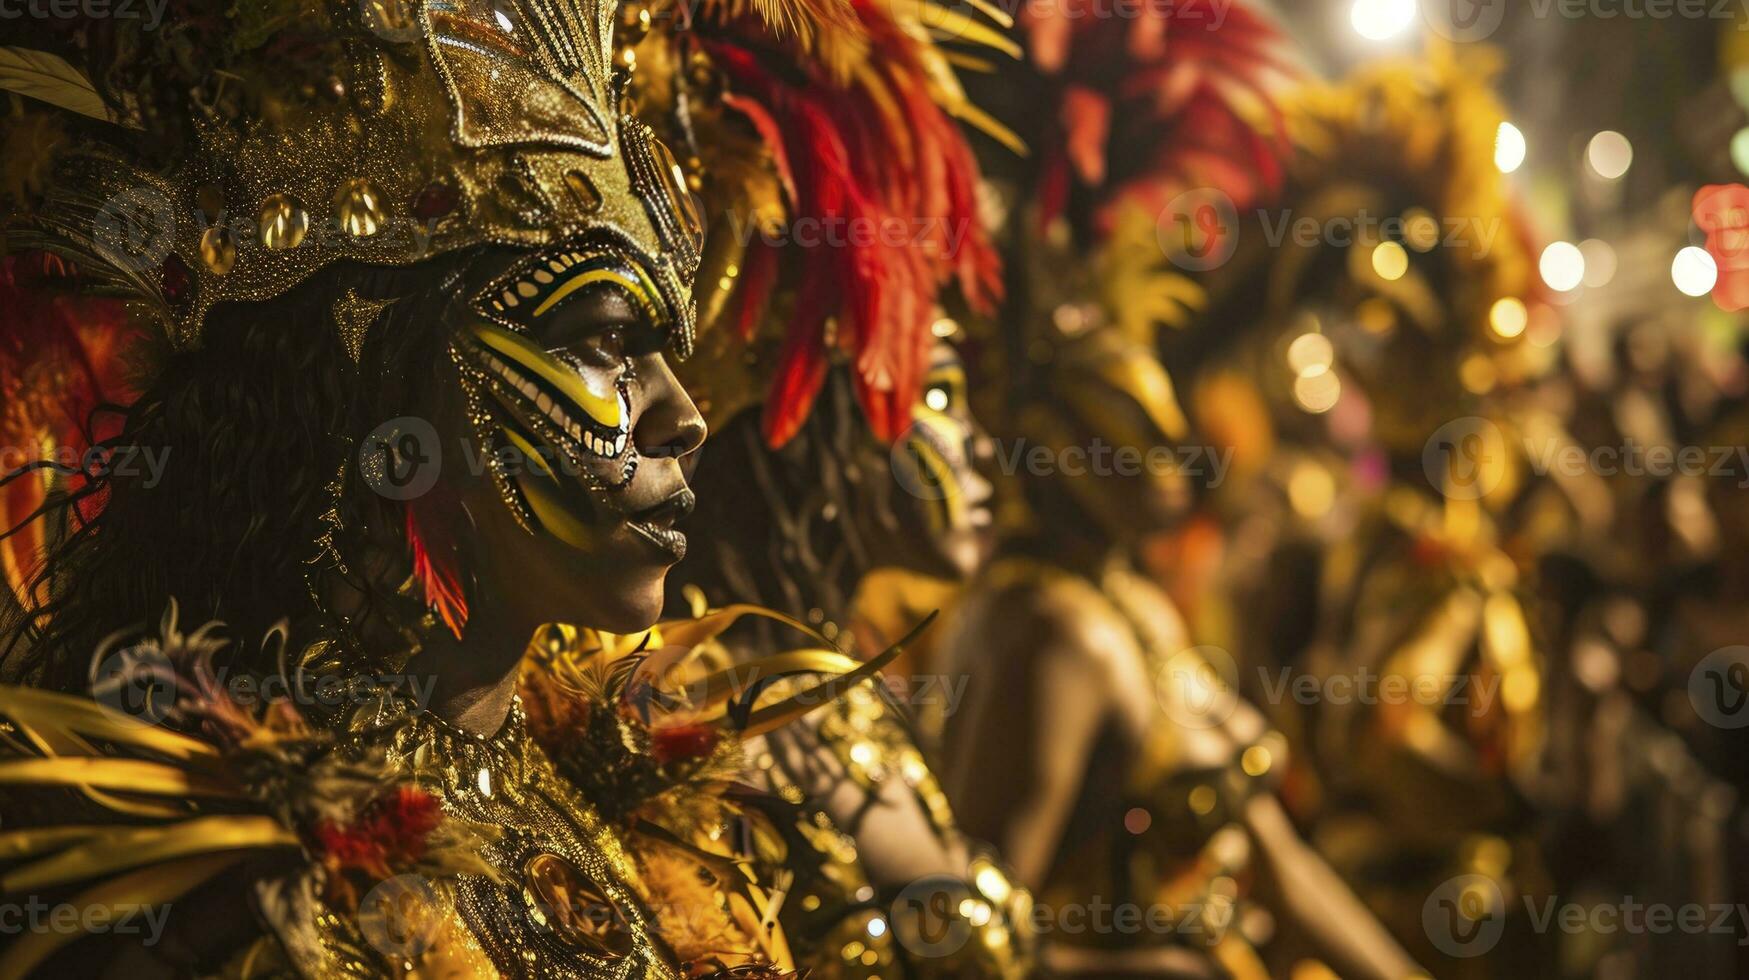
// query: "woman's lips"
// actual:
[[656, 524], [670, 542]]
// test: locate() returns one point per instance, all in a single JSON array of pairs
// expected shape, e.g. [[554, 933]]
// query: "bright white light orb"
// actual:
[[1610, 154], [1381, 20], [1694, 271], [1563, 266], [1510, 148]]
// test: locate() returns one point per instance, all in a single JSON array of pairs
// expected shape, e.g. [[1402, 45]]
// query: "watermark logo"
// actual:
[[1199, 229], [401, 458], [1718, 688], [1466, 458], [932, 917], [149, 12], [138, 225], [137, 681], [916, 471], [401, 916], [1464, 21], [1465, 916], [1198, 687]]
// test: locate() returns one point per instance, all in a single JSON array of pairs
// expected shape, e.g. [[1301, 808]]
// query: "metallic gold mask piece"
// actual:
[[284, 222], [218, 249], [561, 898], [358, 206]]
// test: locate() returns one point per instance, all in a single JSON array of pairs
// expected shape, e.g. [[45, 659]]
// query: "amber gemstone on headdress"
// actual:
[[358, 205], [582, 190], [284, 222], [218, 249], [676, 187]]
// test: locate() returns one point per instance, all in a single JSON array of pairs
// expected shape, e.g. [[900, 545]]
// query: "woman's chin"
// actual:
[[635, 608]]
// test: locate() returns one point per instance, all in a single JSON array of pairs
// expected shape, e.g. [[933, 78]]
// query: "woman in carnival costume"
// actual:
[[841, 192], [397, 287]]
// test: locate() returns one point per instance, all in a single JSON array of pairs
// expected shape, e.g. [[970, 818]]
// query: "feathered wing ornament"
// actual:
[[650, 727], [175, 809], [846, 187], [431, 523]]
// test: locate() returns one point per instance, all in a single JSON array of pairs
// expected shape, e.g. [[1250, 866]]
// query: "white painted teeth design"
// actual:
[[599, 445]]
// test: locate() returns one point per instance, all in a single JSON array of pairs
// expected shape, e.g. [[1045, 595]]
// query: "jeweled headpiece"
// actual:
[[387, 133]]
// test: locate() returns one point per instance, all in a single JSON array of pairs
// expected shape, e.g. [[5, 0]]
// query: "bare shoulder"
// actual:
[[1022, 613]]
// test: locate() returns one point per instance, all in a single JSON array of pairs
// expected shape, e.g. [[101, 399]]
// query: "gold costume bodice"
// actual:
[[555, 895], [381, 842]]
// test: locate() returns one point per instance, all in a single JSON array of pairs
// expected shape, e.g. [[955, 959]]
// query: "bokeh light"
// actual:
[[1599, 261], [1610, 155], [1382, 20], [1310, 352], [1509, 317], [1694, 271], [1317, 391], [1510, 148], [1390, 261], [1563, 266]]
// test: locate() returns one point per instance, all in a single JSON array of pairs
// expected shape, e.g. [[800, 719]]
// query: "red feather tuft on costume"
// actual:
[[883, 218], [683, 742], [435, 564], [388, 836], [1166, 90]]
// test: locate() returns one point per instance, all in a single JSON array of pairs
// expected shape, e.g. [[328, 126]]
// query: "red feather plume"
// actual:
[[883, 215], [1155, 105], [435, 563]]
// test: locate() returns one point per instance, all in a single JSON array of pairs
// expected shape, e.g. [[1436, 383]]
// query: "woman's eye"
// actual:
[[606, 346], [611, 342]]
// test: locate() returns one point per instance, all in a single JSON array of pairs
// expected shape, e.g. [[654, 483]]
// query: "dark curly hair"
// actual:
[[256, 426]]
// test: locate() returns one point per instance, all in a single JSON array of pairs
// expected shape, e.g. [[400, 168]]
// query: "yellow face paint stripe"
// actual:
[[936, 466], [534, 457], [552, 513], [528, 355], [630, 283]]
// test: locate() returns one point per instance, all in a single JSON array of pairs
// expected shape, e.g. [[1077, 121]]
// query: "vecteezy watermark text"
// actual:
[[1466, 459], [128, 462], [34, 915], [1466, 916], [1100, 458], [149, 11]]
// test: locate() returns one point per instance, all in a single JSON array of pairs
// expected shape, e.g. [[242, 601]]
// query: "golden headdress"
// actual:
[[1421, 134], [305, 133]]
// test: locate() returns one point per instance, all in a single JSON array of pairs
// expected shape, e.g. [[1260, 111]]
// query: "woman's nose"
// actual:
[[670, 425]]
